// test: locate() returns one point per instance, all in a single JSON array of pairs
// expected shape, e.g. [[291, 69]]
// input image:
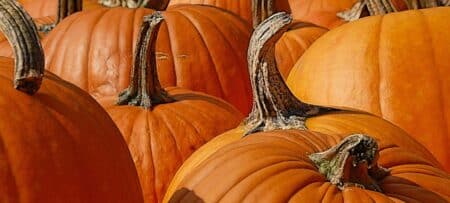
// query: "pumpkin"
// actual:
[[376, 65], [280, 159], [45, 15], [199, 48], [56, 143], [294, 42], [163, 126]]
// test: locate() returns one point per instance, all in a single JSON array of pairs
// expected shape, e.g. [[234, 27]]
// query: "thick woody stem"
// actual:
[[154, 4], [353, 162], [65, 8], [19, 29], [145, 89], [261, 10], [274, 105], [380, 7]]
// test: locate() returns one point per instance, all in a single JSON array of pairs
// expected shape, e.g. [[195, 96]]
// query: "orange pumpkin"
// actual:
[[56, 143], [199, 48], [164, 126], [294, 43], [283, 163], [376, 65]]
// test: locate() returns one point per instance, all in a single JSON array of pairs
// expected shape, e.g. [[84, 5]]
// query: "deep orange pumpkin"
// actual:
[[56, 143], [199, 48], [163, 127], [279, 165], [376, 65]]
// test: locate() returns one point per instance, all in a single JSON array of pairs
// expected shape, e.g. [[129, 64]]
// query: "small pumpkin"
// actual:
[[376, 65], [163, 126], [56, 143], [199, 48], [281, 157]]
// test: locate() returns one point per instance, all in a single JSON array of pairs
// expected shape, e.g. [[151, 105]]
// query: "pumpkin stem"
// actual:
[[19, 29], [352, 162], [274, 105], [261, 9], [65, 8], [157, 5], [364, 8], [144, 89]]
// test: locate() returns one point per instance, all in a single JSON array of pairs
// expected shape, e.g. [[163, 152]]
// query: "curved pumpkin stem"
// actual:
[[274, 105], [364, 8], [19, 29], [261, 10], [65, 8], [352, 162], [145, 89], [154, 4]]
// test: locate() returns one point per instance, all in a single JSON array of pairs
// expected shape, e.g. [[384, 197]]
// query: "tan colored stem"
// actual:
[[145, 89], [352, 162], [380, 7], [153, 4], [274, 106], [19, 29]]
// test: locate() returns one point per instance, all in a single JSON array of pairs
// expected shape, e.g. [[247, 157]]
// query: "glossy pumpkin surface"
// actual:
[[376, 65]]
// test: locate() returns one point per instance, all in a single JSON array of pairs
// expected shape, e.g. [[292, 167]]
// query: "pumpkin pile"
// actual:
[[224, 101]]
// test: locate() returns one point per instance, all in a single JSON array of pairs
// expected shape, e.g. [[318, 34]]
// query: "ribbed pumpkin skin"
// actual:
[[199, 48], [274, 167], [243, 8], [338, 123], [377, 65], [293, 44], [59, 145], [320, 12], [162, 138]]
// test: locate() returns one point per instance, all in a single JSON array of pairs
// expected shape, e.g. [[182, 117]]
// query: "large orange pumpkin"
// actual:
[[376, 65], [164, 126], [200, 48], [56, 143], [275, 165]]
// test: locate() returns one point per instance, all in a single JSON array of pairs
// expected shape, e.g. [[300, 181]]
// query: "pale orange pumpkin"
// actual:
[[376, 65], [283, 162], [57, 144]]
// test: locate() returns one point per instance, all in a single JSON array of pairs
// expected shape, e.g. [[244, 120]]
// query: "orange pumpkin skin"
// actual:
[[335, 125], [162, 138], [320, 12], [294, 43], [60, 145], [398, 76], [243, 8], [204, 51], [274, 167]]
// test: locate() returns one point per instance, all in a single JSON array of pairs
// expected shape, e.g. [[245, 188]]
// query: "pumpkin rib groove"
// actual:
[[197, 131], [260, 170], [71, 20], [291, 57], [172, 55], [212, 59], [170, 128], [403, 198], [379, 65], [89, 51], [153, 154], [438, 79]]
